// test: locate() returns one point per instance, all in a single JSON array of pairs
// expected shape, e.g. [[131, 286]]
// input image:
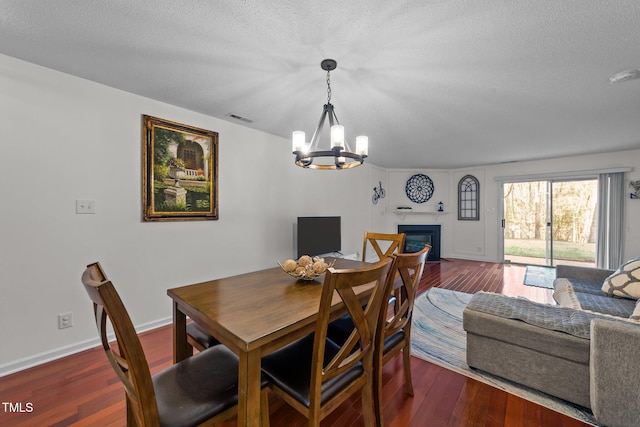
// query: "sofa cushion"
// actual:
[[601, 304], [583, 273], [578, 285], [561, 319], [625, 281]]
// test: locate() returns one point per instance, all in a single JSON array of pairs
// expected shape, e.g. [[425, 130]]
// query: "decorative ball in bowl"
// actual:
[[306, 268]]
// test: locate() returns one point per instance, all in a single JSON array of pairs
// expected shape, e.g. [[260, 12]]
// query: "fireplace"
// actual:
[[416, 236]]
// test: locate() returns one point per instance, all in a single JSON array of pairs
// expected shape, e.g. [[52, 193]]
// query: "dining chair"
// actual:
[[200, 389], [391, 243], [395, 332], [315, 375], [340, 328]]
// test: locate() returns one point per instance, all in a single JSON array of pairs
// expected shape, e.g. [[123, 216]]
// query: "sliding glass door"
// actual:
[[550, 222]]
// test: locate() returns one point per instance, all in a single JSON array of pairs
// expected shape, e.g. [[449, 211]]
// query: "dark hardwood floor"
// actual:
[[82, 390]]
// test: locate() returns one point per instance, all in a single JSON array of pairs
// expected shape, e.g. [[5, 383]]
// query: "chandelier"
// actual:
[[339, 154]]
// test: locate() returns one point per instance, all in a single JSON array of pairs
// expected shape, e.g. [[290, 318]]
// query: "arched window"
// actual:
[[469, 198]]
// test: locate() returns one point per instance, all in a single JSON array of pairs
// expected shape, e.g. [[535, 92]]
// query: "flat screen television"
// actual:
[[318, 235]]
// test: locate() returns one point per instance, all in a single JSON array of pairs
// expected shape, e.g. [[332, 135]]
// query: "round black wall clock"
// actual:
[[419, 188]]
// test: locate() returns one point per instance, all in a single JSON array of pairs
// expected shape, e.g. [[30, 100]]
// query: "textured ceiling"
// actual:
[[433, 83]]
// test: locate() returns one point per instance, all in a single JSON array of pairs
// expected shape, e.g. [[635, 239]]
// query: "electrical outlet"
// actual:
[[65, 320], [85, 206]]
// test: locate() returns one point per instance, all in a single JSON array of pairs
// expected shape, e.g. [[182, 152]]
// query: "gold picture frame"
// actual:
[[179, 171]]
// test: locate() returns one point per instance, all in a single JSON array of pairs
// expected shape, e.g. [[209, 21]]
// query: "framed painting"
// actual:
[[179, 171]]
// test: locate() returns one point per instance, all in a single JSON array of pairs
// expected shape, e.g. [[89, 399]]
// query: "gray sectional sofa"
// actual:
[[583, 350]]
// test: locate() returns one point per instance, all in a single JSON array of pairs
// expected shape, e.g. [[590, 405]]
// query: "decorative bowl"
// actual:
[[306, 268]]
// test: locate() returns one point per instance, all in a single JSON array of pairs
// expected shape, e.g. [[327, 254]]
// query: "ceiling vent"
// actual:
[[238, 117]]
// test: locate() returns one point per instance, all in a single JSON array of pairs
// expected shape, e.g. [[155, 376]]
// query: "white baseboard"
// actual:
[[48, 356]]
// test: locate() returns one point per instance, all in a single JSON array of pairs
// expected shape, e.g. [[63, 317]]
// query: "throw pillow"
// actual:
[[625, 281]]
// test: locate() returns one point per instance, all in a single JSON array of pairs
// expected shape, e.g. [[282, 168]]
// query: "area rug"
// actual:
[[437, 337], [541, 277]]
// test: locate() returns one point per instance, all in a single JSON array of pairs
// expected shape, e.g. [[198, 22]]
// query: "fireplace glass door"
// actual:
[[419, 235]]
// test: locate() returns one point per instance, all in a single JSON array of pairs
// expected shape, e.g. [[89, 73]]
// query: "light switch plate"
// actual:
[[65, 320]]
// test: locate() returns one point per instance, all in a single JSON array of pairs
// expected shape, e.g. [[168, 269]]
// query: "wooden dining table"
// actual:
[[253, 314]]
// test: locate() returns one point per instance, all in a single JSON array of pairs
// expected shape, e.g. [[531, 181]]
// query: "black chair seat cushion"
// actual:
[[201, 336], [340, 329], [290, 369], [184, 399], [393, 340]]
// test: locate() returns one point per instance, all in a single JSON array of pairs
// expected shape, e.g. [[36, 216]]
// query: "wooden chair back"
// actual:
[[409, 268], [394, 333], [393, 243], [127, 359], [359, 347]]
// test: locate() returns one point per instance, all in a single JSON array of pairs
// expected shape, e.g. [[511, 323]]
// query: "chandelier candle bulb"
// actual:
[[362, 145], [298, 140], [337, 136]]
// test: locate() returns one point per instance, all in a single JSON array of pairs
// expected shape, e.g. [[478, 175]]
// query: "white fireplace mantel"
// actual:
[[412, 211]]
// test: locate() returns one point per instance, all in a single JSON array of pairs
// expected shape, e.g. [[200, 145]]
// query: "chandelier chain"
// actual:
[[328, 87]]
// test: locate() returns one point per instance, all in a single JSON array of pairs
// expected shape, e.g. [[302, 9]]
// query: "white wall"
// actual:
[[469, 238], [422, 213], [378, 211], [65, 138], [479, 240]]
